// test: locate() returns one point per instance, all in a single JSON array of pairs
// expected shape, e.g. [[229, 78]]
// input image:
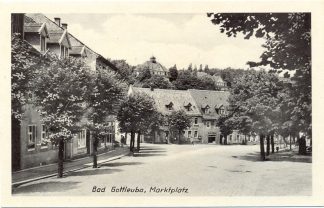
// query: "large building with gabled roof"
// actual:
[[204, 107], [46, 35], [154, 66]]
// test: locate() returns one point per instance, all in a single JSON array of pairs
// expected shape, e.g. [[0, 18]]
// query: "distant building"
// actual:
[[204, 107], [155, 67], [219, 82]]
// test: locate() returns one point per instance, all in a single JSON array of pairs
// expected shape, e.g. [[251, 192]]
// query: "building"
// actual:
[[204, 107], [219, 82], [29, 148], [155, 67]]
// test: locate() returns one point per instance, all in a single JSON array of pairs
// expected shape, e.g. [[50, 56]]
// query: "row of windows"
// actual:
[[159, 73], [195, 134]]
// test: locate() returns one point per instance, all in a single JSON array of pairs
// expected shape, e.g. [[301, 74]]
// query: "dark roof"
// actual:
[[32, 27], [163, 97], [214, 99], [153, 65], [76, 50]]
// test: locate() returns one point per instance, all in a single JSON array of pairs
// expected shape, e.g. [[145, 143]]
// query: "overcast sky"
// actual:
[[178, 39]]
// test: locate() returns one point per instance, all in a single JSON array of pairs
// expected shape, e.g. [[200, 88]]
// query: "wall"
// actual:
[[33, 39], [40, 155], [54, 48]]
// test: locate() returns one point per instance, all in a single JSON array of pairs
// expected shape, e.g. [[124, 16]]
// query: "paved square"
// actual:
[[183, 170]]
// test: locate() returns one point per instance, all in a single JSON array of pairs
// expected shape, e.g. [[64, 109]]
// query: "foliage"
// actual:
[[288, 46], [155, 81], [60, 90], [107, 93], [187, 80], [256, 97], [179, 120], [143, 73], [173, 73], [125, 71], [25, 62], [136, 113]]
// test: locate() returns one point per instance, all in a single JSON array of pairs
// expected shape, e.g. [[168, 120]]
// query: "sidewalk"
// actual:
[[46, 171]]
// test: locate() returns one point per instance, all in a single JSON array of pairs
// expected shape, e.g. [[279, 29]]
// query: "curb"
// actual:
[[19, 183]]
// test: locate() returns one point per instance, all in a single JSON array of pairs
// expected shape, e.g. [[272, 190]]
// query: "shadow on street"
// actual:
[[95, 171], [277, 157], [116, 164], [45, 187]]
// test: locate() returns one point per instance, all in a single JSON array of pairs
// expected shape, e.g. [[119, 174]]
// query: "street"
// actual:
[[183, 170]]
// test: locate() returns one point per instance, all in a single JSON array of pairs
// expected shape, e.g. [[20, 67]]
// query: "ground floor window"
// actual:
[[82, 138], [196, 134], [189, 133], [44, 141], [32, 135]]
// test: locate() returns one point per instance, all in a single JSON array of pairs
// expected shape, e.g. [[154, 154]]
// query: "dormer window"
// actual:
[[43, 43], [169, 106], [205, 109], [188, 107], [221, 110]]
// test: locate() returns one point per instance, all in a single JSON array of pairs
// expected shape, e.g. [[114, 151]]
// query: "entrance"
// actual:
[[211, 139]]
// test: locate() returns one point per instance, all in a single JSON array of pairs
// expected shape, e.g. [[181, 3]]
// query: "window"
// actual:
[[196, 134], [66, 52], [32, 135], [43, 137], [189, 133], [62, 52], [212, 123], [207, 123], [82, 138], [238, 137], [221, 111], [196, 120], [43, 44]]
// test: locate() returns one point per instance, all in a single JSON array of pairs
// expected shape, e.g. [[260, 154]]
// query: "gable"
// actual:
[[65, 40]]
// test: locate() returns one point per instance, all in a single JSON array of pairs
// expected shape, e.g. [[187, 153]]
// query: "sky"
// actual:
[[178, 39]]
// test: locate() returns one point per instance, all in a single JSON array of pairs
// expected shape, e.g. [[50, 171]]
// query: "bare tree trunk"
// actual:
[[125, 138], [272, 144], [290, 142], [60, 158], [221, 139], [268, 145], [262, 153], [138, 141], [225, 139], [302, 146], [95, 146], [131, 146], [179, 137]]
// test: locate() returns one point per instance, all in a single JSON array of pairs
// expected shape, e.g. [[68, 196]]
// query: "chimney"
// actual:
[[64, 25], [57, 21]]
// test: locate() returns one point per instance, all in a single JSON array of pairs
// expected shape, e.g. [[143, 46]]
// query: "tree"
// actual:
[[179, 121], [156, 81], [60, 90], [288, 46], [226, 126], [173, 73], [143, 74], [190, 67], [206, 69], [256, 96], [107, 94], [25, 63], [186, 80], [125, 71], [135, 112]]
